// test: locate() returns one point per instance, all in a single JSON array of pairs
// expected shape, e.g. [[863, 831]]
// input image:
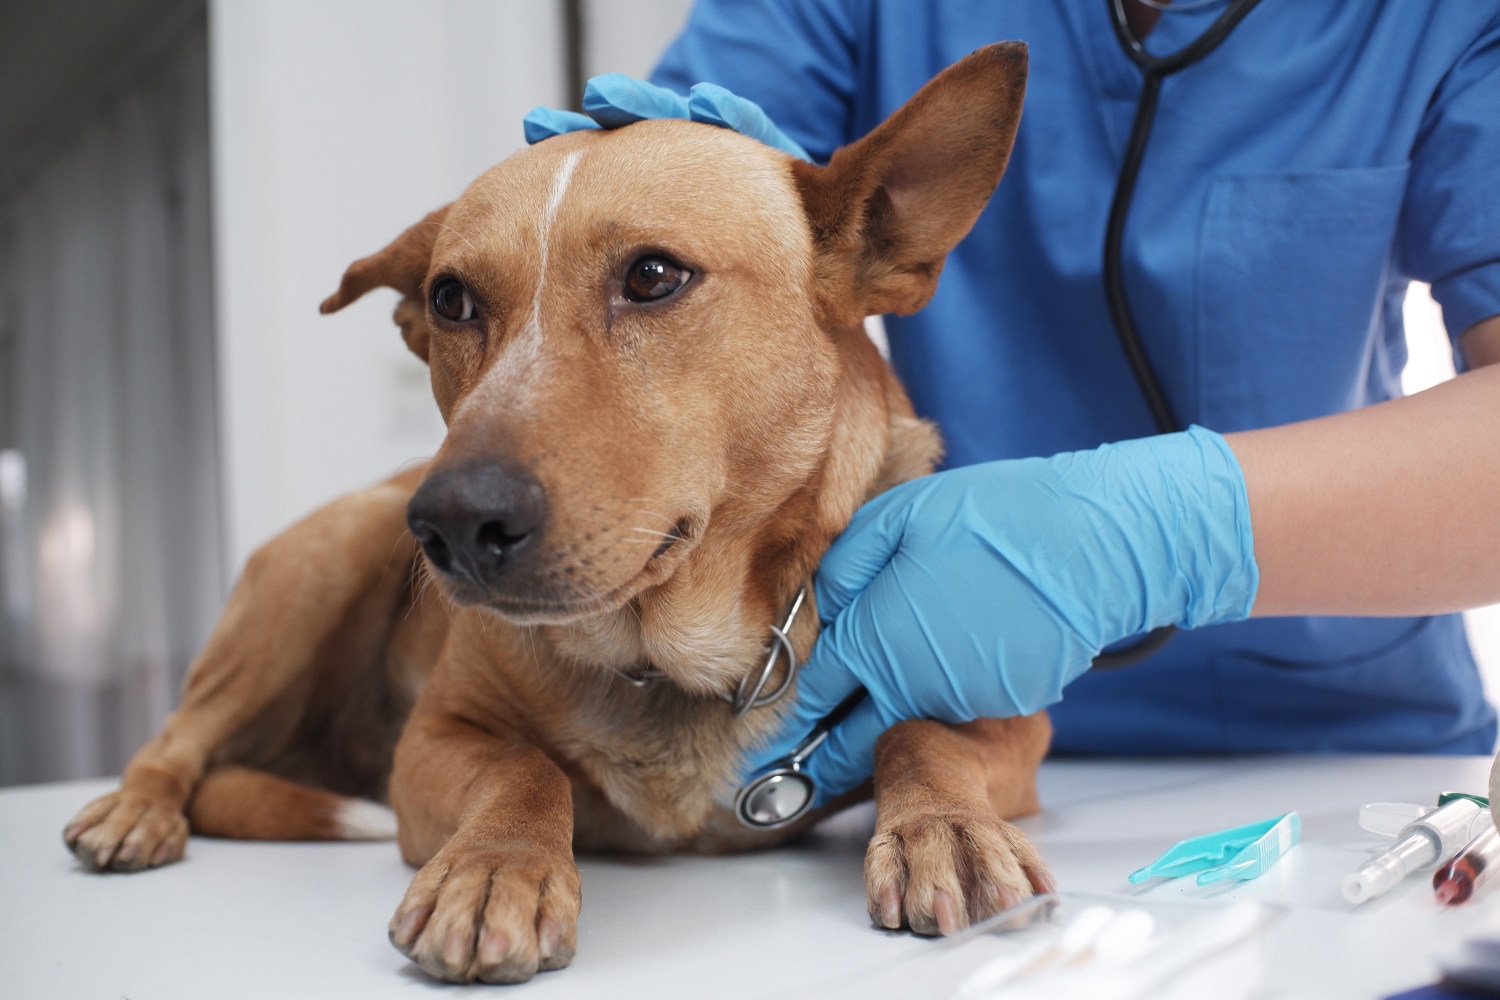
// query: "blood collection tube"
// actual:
[[1420, 846], [1456, 881]]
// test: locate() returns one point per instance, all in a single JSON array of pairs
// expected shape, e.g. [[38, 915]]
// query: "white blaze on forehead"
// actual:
[[520, 366], [544, 235]]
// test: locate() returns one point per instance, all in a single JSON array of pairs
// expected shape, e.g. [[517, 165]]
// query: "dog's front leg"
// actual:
[[490, 820], [943, 856]]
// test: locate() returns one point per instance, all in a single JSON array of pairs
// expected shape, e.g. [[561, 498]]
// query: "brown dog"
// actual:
[[661, 409]]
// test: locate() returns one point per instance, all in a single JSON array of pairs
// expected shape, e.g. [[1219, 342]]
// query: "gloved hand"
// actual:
[[615, 100], [981, 591]]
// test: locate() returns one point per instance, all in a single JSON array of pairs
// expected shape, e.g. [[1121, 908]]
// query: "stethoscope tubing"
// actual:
[[1153, 70], [826, 726]]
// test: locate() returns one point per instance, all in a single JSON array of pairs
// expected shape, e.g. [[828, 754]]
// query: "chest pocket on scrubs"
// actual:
[[1290, 275]]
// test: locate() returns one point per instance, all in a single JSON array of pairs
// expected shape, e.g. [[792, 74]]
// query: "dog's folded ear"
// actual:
[[403, 266], [888, 208]]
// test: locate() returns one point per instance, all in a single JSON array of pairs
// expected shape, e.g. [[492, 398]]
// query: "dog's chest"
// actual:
[[655, 768]]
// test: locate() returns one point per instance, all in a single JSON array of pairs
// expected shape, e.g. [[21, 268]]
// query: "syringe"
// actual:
[[1428, 842], [1456, 881]]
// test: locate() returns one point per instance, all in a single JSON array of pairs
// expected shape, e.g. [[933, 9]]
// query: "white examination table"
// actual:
[[291, 921]]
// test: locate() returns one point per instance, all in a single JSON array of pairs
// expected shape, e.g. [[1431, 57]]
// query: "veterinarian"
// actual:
[[1297, 177]]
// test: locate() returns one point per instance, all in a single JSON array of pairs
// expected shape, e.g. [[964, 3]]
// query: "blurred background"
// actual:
[[181, 183]]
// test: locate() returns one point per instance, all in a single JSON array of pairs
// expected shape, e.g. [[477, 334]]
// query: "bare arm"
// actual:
[[1389, 510], [1481, 342]]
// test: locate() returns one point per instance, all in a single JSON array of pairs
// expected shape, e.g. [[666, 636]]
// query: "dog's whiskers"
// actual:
[[656, 514], [531, 640], [419, 579]]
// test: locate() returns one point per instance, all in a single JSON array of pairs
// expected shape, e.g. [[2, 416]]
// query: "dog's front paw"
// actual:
[[939, 873], [126, 831], [498, 915]]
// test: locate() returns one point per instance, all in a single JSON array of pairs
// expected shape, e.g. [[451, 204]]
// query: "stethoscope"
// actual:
[[783, 793], [1154, 69]]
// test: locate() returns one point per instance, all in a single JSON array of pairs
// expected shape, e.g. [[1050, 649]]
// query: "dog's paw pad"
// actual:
[[126, 831], [939, 874], [490, 915]]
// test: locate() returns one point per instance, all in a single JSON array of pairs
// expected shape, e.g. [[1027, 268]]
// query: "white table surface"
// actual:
[[287, 921]]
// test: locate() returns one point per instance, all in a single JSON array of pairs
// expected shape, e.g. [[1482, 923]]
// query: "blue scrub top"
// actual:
[[1325, 154]]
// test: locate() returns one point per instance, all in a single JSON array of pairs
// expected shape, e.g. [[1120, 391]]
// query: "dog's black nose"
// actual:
[[473, 519]]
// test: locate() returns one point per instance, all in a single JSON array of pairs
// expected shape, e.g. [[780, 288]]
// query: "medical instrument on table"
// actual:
[[1421, 845], [1153, 70], [1456, 881], [1242, 852], [784, 792], [1479, 800], [1494, 789], [1255, 858], [1095, 951], [1097, 934], [1389, 818]]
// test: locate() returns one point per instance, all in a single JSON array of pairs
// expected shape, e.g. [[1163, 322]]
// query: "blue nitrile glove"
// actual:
[[615, 100], [981, 591]]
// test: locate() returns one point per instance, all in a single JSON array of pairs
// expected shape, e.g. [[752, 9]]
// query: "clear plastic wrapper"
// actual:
[[1086, 946]]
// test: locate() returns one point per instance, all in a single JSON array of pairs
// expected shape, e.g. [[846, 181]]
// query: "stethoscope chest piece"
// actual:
[[783, 793], [774, 799]]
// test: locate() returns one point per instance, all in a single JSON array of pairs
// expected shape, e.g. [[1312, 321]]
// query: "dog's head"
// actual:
[[646, 339]]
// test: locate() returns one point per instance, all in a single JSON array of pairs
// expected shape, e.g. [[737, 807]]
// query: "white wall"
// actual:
[[337, 123], [629, 36]]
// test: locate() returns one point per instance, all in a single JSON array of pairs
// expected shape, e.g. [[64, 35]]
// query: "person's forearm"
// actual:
[[1389, 510], [1481, 343]]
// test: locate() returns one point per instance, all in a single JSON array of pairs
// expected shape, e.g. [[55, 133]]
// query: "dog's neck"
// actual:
[[708, 625]]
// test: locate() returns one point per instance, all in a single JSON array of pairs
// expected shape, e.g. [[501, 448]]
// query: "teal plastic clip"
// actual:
[[1243, 852], [1478, 800]]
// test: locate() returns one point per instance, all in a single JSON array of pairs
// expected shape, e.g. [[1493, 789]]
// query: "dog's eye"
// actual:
[[452, 301], [652, 278]]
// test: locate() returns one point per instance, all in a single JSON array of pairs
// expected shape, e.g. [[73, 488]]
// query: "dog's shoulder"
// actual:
[[915, 449]]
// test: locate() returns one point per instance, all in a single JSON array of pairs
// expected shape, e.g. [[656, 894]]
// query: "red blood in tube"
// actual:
[[1454, 883]]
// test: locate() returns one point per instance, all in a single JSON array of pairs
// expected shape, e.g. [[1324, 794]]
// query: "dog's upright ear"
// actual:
[[888, 208], [403, 266]]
